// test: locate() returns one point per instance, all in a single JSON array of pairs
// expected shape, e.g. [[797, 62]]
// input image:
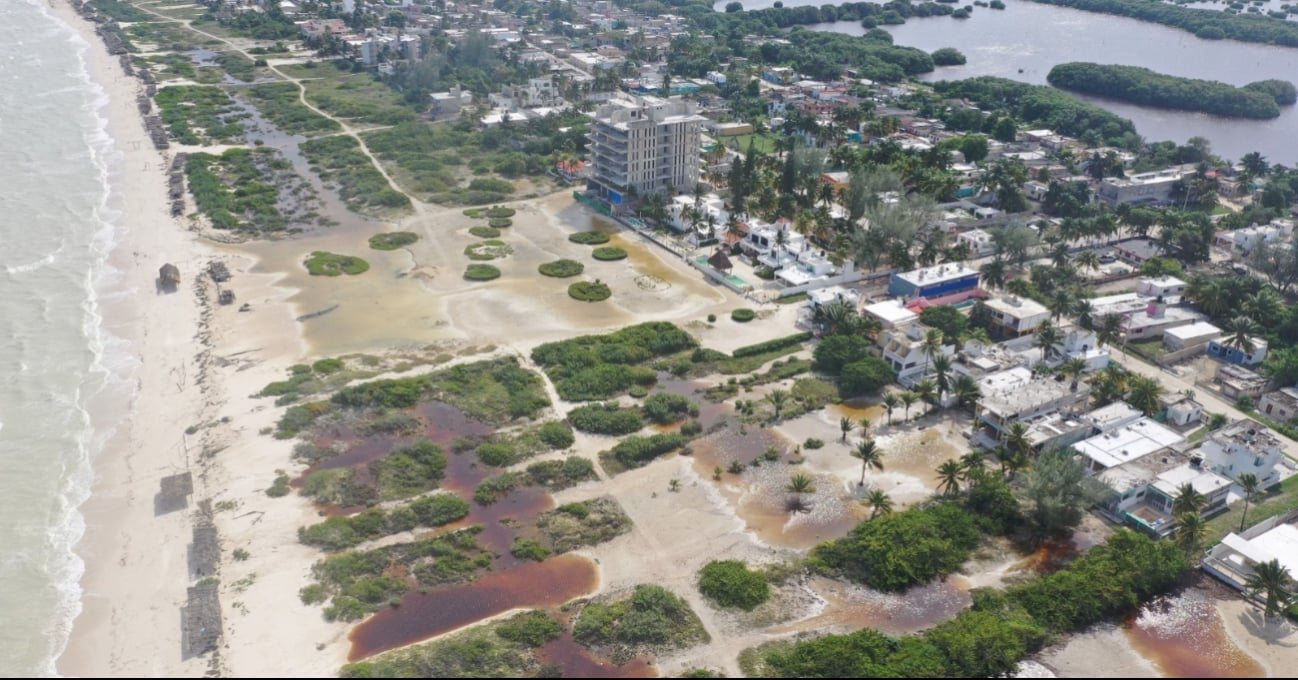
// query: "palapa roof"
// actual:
[[720, 261], [177, 486], [200, 621], [205, 552]]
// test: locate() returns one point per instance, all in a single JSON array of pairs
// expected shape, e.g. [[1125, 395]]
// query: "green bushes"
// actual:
[[500, 223], [254, 206], [663, 408], [487, 250], [594, 367], [481, 272], [199, 114], [589, 291], [484, 232], [495, 391], [729, 583], [339, 162], [527, 549], [605, 419], [574, 525], [322, 263], [948, 56], [1143, 86], [1204, 23], [279, 488], [1040, 106], [562, 269], [498, 212], [409, 470], [393, 240], [279, 103], [743, 315], [867, 376], [589, 238], [493, 489], [504, 649], [560, 474], [557, 435], [608, 253], [777, 344], [635, 451], [837, 351], [650, 616], [895, 552], [496, 454], [340, 533]]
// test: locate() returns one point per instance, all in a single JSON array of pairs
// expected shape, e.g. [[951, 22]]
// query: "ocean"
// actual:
[[63, 377]]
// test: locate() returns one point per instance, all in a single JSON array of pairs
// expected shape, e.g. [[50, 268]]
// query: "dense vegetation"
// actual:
[[553, 474], [730, 583], [481, 272], [608, 253], [989, 639], [279, 103], [664, 408], [254, 205], [340, 533], [606, 418], [323, 263], [573, 525], [786, 342], [1209, 24], [502, 649], [592, 367], [651, 616], [894, 552], [393, 240], [948, 56], [1041, 106], [199, 114], [589, 238], [589, 291], [1143, 86], [339, 162], [561, 269], [635, 451]]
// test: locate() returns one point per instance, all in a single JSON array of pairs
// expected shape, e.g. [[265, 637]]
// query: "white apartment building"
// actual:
[[644, 145], [1013, 316]]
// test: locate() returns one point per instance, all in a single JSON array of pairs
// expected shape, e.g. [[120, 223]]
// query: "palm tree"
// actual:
[[942, 374], [865, 426], [1110, 329], [778, 398], [993, 273], [800, 483], [1190, 532], [1085, 312], [871, 457], [1088, 260], [973, 463], [1011, 463], [1073, 369], [1188, 500], [1242, 330], [1020, 286], [890, 402], [1251, 486], [932, 346], [1255, 164], [1061, 303], [949, 474], [1272, 580], [967, 392], [845, 426], [1145, 393], [1017, 439], [879, 502], [926, 390], [1049, 337], [1266, 307], [908, 399]]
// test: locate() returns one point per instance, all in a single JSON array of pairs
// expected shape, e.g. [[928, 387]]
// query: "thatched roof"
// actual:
[[720, 261], [177, 486], [205, 552], [169, 272], [200, 621]]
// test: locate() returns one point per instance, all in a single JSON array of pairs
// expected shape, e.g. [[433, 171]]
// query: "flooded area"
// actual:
[[576, 661], [1185, 638], [849, 608]]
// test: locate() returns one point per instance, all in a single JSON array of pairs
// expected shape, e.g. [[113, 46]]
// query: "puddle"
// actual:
[[576, 662], [856, 607], [1185, 638]]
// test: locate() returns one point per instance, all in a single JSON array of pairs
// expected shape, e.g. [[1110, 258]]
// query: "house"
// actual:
[[819, 298], [978, 242], [1167, 289], [1181, 410], [1018, 396], [934, 281], [1132, 441], [1137, 250], [1190, 336], [1154, 514], [1280, 405], [1113, 416], [1237, 381], [1244, 446], [1149, 188], [1013, 316], [891, 313], [1117, 305], [903, 349], [1223, 349], [1246, 239], [708, 214], [451, 102], [1275, 538], [1129, 489], [810, 265], [1150, 324]]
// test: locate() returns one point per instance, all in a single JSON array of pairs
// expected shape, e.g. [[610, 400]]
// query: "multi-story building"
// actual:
[[1150, 188], [935, 281], [1244, 446], [644, 145], [1013, 316]]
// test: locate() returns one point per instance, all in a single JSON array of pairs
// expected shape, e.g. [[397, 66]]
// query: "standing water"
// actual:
[[58, 365]]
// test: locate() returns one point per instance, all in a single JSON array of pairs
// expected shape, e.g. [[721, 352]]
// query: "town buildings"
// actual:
[[644, 145]]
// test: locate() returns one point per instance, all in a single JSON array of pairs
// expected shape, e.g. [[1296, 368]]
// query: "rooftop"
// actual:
[[1247, 433], [1140, 472], [1159, 317], [1279, 543], [1008, 394], [1194, 330], [1127, 443], [1016, 307], [1117, 414], [892, 312], [1203, 481], [938, 273]]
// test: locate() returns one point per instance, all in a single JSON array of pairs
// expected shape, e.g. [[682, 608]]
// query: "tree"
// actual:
[[1048, 339], [967, 392], [879, 502], [865, 427], [1017, 440], [1188, 500], [949, 474], [800, 483], [1110, 329], [1282, 365], [1255, 164], [1145, 393], [1005, 130], [871, 457], [778, 399], [1088, 260], [835, 352], [947, 319], [1251, 486], [908, 399], [993, 273], [974, 148], [1242, 330], [1058, 491], [1273, 581], [890, 402], [1073, 368], [845, 426], [866, 376], [732, 7], [942, 375], [926, 390], [1190, 532], [932, 345], [1014, 241], [1005, 178]]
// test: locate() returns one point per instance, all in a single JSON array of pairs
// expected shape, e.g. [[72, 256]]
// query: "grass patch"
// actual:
[[121, 11], [650, 617], [730, 583], [554, 474], [303, 379], [527, 549], [576, 525], [323, 263], [636, 451], [501, 649], [340, 163], [355, 97], [279, 103], [500, 222], [608, 253], [597, 367], [589, 238], [606, 418], [589, 291], [499, 211], [484, 232], [341, 533], [409, 470], [279, 488], [199, 115], [743, 315], [238, 66], [359, 582], [562, 269], [481, 272], [1277, 500], [393, 240], [488, 250], [250, 190]]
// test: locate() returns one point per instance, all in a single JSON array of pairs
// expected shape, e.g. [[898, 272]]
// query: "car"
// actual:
[[1108, 258], [1240, 270]]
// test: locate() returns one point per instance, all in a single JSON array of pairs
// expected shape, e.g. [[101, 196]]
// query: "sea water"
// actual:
[[61, 373]]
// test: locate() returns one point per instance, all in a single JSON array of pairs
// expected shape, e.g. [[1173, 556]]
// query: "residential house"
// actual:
[[935, 281], [1244, 446], [1018, 396], [451, 102], [1237, 381], [1280, 405], [978, 242], [1150, 324], [1246, 239], [1137, 250], [1190, 336], [1167, 289], [1117, 305], [1181, 410], [903, 349], [1275, 538], [810, 265], [816, 299], [1154, 513], [891, 313], [1221, 348], [1150, 188], [1122, 445], [1013, 316]]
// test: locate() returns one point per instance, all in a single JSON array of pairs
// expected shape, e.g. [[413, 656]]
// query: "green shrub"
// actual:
[[652, 615], [481, 272], [607, 419], [743, 315], [608, 253], [493, 489], [578, 510], [499, 211], [812, 443], [635, 451], [894, 552], [561, 474], [867, 376], [488, 250], [664, 408], [729, 583], [499, 223], [638, 391], [589, 291], [484, 232], [594, 367], [562, 269], [339, 532], [557, 435], [691, 428], [712, 318], [393, 240], [496, 454], [409, 470], [530, 629], [323, 263], [279, 488], [527, 549], [589, 238], [777, 344], [328, 366], [837, 351]]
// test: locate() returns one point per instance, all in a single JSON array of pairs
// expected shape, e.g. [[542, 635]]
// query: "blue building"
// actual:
[[1231, 354], [935, 281]]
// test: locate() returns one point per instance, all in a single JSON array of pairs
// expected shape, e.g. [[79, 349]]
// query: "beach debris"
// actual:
[[153, 125], [219, 272], [245, 307], [204, 551], [168, 277], [317, 314], [226, 297]]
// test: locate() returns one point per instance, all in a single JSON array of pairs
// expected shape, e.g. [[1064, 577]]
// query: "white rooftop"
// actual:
[[891, 311], [1118, 304], [1279, 543], [1166, 316], [1166, 281], [1203, 481], [1017, 307], [938, 273], [1127, 443], [1117, 414], [1198, 329]]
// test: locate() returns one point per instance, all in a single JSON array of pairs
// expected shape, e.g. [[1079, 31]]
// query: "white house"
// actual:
[[1150, 324], [891, 313], [903, 349], [1275, 538], [1197, 334], [1167, 289], [1246, 239], [1125, 444], [979, 242], [1244, 446], [1013, 316]]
